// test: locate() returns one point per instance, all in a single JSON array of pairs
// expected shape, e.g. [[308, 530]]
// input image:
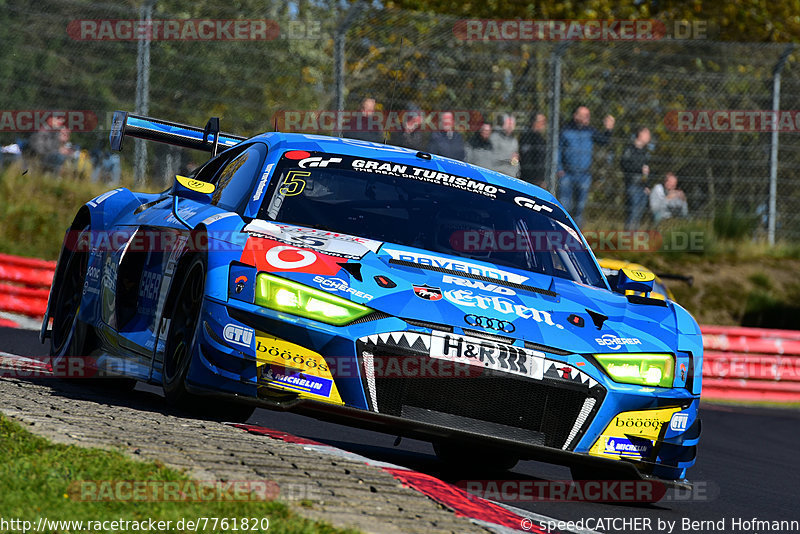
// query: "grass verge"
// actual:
[[39, 479]]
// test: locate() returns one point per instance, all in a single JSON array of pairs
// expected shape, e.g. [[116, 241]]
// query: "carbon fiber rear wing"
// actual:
[[208, 139]]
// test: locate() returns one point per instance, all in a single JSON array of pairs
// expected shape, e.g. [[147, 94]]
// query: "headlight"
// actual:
[[642, 369], [284, 295]]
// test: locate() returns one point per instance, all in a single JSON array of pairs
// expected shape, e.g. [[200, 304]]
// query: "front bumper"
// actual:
[[557, 414]]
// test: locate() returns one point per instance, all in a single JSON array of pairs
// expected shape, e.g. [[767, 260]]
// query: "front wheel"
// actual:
[[184, 324]]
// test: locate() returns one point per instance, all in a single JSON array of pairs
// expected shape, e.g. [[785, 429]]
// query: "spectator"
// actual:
[[107, 163], [533, 151], [636, 172], [505, 148], [365, 125], [50, 144], [667, 201], [576, 145], [411, 136], [479, 149], [447, 142]]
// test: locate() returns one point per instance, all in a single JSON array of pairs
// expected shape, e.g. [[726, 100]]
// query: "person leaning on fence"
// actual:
[[447, 142], [365, 124], [533, 151], [576, 146], [479, 149], [505, 148], [636, 173], [667, 201], [411, 136]]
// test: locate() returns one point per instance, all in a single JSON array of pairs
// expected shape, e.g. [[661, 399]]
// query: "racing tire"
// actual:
[[181, 336], [461, 457], [70, 337]]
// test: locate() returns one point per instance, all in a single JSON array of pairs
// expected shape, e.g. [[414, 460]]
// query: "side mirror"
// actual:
[[635, 280], [185, 187]]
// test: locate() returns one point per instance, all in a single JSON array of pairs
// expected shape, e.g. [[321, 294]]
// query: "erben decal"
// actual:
[[467, 299]]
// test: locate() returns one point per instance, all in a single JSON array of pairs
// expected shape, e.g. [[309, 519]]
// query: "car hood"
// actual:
[[430, 289]]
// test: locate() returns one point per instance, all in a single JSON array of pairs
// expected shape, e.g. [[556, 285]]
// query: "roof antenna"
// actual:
[[391, 100]]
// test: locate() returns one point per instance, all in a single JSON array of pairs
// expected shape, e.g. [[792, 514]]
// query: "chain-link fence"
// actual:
[[312, 57]]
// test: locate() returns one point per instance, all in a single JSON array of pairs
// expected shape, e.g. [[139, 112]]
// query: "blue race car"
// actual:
[[379, 287]]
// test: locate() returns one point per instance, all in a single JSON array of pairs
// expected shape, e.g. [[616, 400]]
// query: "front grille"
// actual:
[[553, 411]]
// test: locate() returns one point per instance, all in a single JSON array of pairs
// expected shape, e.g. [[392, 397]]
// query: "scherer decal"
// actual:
[[427, 292], [273, 256]]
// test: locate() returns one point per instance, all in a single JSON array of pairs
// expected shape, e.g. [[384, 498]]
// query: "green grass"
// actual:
[[42, 479]]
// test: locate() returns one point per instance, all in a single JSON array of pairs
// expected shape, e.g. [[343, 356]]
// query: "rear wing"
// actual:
[[208, 139]]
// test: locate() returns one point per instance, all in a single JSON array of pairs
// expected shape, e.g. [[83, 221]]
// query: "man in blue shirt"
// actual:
[[576, 145]]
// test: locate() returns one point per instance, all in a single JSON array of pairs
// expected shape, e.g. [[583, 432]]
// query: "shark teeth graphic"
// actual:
[[404, 340], [553, 369]]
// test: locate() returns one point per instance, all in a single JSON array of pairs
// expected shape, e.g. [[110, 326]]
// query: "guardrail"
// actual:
[[739, 363], [751, 364], [25, 285]]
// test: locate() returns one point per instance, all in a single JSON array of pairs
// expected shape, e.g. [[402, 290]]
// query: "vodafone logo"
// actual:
[[288, 257]]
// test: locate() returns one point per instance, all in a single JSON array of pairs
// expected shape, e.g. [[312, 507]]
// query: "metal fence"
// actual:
[[328, 56]]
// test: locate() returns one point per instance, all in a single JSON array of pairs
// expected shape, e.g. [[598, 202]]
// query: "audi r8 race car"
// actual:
[[379, 287]]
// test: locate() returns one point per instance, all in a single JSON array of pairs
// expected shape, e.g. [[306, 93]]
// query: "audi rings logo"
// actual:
[[488, 322]]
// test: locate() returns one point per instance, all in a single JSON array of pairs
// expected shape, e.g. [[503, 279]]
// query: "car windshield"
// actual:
[[427, 209]]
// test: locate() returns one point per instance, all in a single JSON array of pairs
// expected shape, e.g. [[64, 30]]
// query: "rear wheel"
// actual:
[[69, 334], [184, 325], [71, 338]]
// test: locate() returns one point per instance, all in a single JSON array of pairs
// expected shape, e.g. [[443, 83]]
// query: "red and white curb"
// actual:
[[494, 516], [15, 320]]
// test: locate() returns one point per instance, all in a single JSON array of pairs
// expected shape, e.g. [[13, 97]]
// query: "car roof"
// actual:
[[366, 149]]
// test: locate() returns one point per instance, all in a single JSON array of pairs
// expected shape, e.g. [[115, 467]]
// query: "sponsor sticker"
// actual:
[[477, 284], [633, 433], [195, 185], [294, 367], [467, 299], [337, 284], [455, 265], [610, 341], [427, 292], [238, 335], [679, 422], [636, 448], [487, 354]]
